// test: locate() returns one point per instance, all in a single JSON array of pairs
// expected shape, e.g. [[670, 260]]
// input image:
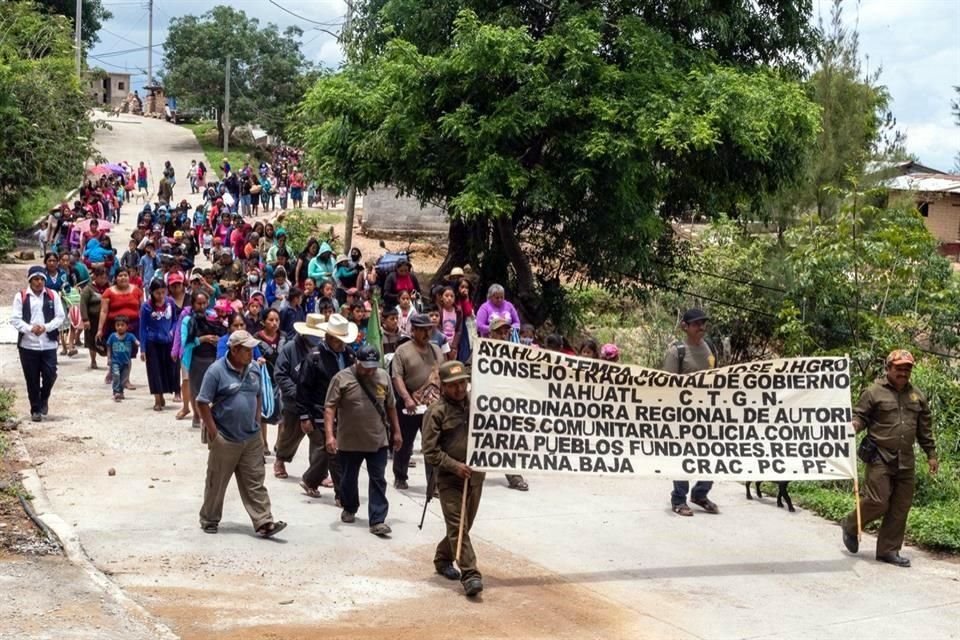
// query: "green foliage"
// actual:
[[207, 135], [572, 133], [43, 110], [93, 15], [267, 75], [305, 224], [7, 396]]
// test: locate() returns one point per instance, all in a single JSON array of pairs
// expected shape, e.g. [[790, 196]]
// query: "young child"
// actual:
[[390, 330], [404, 312], [327, 292], [357, 317], [41, 236], [292, 313], [310, 296], [437, 336], [528, 335], [120, 346], [324, 308]]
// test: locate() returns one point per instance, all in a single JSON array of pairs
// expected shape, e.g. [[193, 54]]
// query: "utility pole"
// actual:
[[226, 111], [77, 34], [149, 44], [350, 204]]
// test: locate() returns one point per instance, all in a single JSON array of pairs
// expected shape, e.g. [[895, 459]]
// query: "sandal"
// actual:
[[327, 482], [707, 505], [280, 470], [682, 510], [183, 413], [519, 485], [310, 491], [271, 529], [157, 407], [210, 528]]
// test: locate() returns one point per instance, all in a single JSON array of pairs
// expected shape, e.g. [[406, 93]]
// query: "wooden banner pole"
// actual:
[[463, 517], [856, 498]]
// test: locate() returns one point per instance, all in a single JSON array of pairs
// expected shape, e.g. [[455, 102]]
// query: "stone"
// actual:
[[111, 471]]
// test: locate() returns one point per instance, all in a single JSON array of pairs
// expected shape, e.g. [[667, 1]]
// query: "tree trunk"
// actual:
[[458, 251], [219, 130], [527, 298]]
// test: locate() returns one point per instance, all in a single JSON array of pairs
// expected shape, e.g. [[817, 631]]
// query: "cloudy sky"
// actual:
[[916, 43]]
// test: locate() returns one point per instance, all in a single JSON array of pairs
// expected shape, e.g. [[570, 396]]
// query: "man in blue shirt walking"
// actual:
[[232, 386]]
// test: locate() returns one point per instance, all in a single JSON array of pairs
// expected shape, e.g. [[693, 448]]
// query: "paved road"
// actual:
[[573, 558]]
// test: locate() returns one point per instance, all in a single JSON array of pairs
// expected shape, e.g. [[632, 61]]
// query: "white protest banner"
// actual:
[[543, 411]]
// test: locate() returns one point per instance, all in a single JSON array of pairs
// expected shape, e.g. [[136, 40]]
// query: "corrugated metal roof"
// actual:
[[893, 166], [925, 182]]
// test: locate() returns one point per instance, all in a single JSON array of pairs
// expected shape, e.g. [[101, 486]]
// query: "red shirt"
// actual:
[[126, 303]]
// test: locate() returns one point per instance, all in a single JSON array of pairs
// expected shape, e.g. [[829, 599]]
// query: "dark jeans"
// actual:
[[409, 428], [40, 372], [350, 462], [320, 463], [682, 487]]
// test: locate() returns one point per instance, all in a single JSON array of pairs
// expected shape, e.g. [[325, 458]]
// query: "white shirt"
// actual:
[[29, 340]]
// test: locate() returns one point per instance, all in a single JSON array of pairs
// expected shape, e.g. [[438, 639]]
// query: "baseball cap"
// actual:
[[452, 371], [694, 315], [242, 338], [175, 278], [421, 320], [498, 323], [368, 357], [899, 356], [609, 351]]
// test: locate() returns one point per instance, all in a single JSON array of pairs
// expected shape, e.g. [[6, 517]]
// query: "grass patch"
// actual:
[[7, 396], [26, 211], [206, 134]]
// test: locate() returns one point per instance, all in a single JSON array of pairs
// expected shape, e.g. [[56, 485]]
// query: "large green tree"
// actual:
[[92, 18], [43, 109], [266, 74], [563, 136]]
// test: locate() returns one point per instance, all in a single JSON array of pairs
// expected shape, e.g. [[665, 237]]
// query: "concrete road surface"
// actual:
[[573, 558]]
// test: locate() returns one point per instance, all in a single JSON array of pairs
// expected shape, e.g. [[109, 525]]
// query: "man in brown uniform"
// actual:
[[445, 427], [895, 414]]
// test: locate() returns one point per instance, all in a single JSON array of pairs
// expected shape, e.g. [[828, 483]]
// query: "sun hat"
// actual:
[[342, 258], [368, 357], [311, 326], [340, 328], [453, 371], [456, 272]]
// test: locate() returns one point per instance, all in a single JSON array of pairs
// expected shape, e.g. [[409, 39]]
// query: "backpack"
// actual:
[[49, 313], [681, 348]]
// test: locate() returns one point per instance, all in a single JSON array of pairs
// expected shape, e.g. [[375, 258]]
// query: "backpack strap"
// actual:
[[681, 354]]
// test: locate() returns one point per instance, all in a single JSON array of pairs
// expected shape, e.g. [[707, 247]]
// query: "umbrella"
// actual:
[[84, 225], [115, 168], [99, 170]]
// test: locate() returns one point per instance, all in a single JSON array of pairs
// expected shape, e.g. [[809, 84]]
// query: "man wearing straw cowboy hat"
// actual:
[[445, 432], [287, 373], [329, 358], [895, 414]]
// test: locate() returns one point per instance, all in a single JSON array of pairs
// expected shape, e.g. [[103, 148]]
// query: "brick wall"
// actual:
[[943, 219], [384, 212]]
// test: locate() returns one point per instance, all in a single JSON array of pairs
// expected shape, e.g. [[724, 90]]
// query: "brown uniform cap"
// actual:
[[899, 356], [453, 371]]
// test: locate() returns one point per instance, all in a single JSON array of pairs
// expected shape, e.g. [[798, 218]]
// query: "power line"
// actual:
[[120, 37], [296, 15], [120, 52]]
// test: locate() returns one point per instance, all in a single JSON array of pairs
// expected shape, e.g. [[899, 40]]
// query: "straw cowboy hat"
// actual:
[[312, 326], [341, 328]]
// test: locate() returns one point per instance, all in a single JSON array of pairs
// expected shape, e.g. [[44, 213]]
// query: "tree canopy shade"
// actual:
[[43, 109], [93, 16], [268, 70], [560, 142]]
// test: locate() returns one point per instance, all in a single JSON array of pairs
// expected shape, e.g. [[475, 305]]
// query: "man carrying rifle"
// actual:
[[445, 426]]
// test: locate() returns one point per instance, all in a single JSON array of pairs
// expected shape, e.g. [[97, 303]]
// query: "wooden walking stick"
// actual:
[[856, 498], [463, 517]]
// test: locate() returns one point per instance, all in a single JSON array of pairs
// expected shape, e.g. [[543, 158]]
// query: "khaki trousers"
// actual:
[[245, 461], [451, 493], [887, 492], [289, 435]]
